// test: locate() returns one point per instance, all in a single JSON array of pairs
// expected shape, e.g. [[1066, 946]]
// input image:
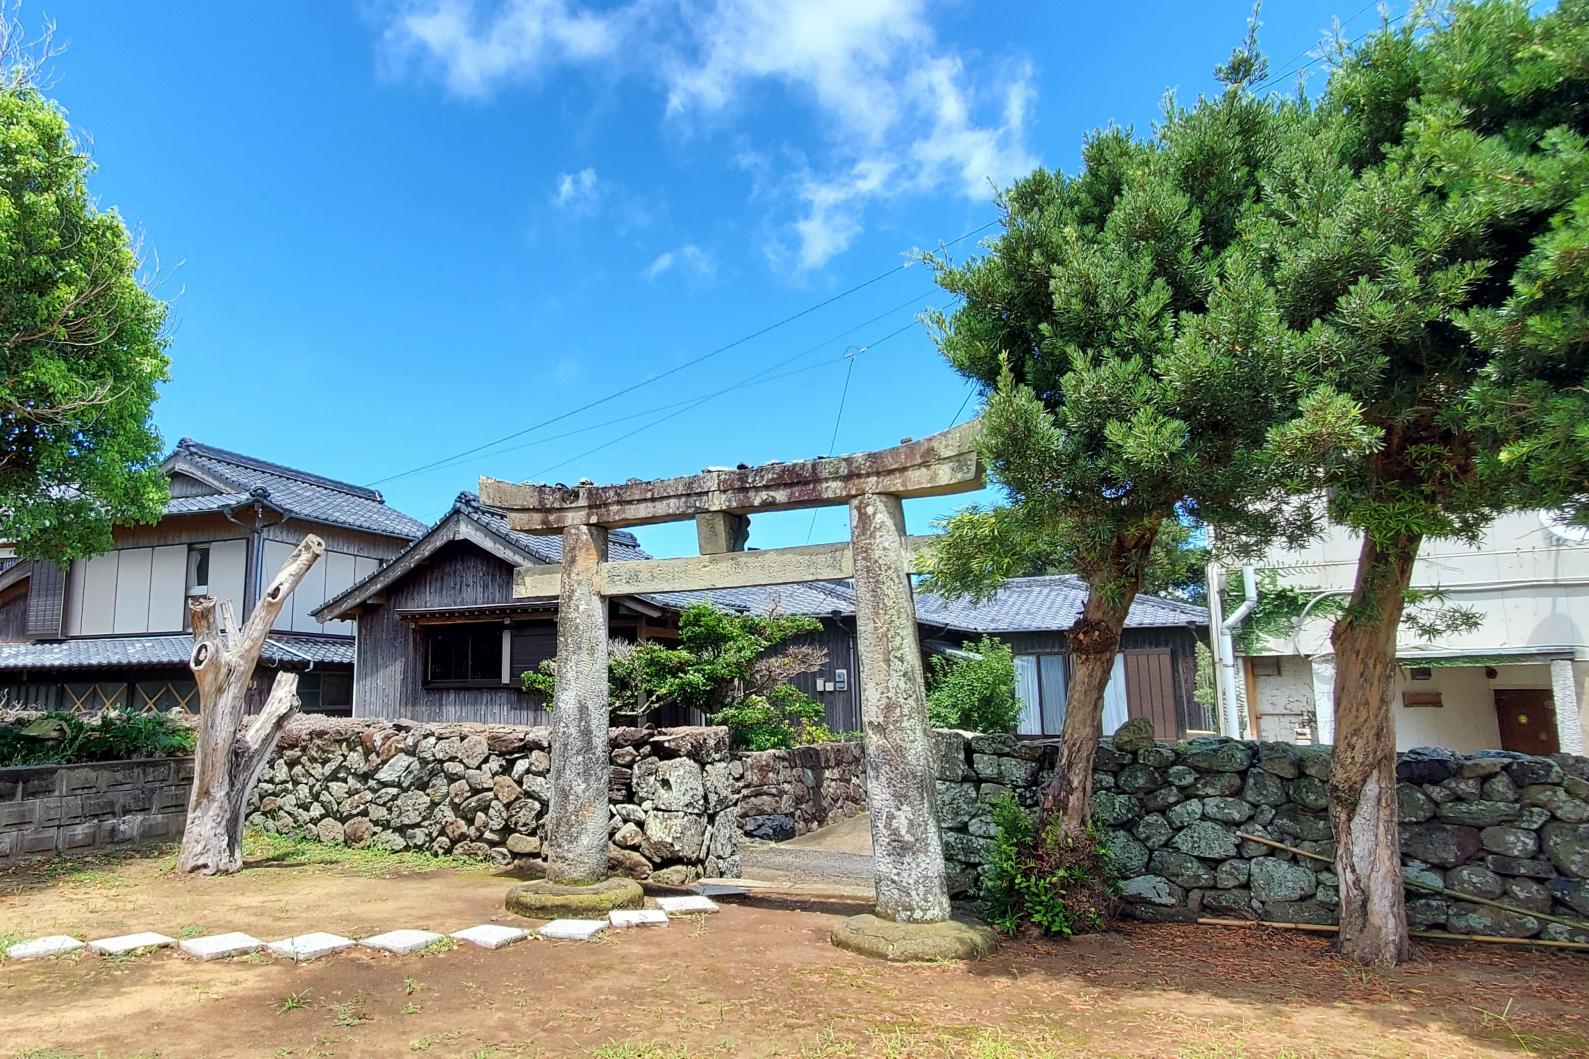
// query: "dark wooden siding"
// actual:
[[46, 601], [1150, 690], [842, 711], [14, 613]]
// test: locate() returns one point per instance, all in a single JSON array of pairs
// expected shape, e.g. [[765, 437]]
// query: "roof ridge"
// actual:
[[471, 502], [270, 467]]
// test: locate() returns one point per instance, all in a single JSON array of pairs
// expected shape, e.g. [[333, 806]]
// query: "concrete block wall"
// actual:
[[47, 810]]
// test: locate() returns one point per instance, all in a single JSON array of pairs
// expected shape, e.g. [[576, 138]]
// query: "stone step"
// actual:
[[401, 942], [124, 943], [38, 948], [492, 935], [220, 946], [310, 946]]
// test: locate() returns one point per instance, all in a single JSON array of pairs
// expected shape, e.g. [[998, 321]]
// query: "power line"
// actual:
[[833, 441], [677, 368], [1318, 58], [753, 380], [970, 393], [695, 404], [1303, 53]]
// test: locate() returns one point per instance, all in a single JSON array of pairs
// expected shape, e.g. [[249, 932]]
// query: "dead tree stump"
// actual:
[[228, 759]]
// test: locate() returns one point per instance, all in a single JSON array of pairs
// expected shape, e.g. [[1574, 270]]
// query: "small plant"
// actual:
[[410, 1008], [782, 718], [192, 930], [410, 986], [292, 1002], [347, 1013], [1057, 880], [440, 945], [975, 691]]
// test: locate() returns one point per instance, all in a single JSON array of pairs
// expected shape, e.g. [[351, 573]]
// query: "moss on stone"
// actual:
[[543, 899], [884, 939]]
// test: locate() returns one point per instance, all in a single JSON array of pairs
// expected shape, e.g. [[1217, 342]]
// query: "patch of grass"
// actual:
[[440, 945], [130, 956], [348, 1013], [411, 986], [292, 1002], [49, 1053], [294, 850], [8, 939], [410, 1008], [642, 1050], [192, 930], [424, 1044]]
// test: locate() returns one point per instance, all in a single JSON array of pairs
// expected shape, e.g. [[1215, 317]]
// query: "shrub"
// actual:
[[784, 717], [1058, 880], [67, 739], [975, 692]]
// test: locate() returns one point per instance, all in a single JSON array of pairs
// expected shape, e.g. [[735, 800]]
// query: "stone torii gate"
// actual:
[[912, 920]]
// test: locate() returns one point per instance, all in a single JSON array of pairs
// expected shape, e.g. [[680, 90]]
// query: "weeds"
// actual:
[[410, 986], [348, 1013], [292, 1002]]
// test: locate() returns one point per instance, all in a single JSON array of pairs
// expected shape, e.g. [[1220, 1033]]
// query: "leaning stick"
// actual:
[[1428, 887], [1438, 935]]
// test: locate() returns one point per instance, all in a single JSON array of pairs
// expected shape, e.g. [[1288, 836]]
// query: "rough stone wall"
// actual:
[[1491, 824], [54, 809], [481, 791], [789, 792]]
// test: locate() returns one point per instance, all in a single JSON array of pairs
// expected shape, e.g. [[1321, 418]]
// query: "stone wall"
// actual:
[[1491, 824], [481, 791], [54, 809], [789, 792]]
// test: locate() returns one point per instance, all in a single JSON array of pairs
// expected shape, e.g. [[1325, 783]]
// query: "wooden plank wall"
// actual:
[[842, 710], [14, 613]]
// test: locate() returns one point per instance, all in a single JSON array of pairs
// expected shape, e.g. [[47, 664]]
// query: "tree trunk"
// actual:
[[1362, 786], [1094, 641], [227, 760]]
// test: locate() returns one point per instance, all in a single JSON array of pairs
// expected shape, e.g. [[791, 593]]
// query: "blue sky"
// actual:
[[392, 232]]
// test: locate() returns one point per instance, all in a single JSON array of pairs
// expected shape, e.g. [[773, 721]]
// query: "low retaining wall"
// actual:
[[789, 792], [55, 809], [482, 790], [1492, 824]]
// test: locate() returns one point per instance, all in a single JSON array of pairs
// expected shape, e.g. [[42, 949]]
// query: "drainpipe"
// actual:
[[1227, 653]]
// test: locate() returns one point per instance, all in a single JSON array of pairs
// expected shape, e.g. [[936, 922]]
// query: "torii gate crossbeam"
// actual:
[[906, 843]]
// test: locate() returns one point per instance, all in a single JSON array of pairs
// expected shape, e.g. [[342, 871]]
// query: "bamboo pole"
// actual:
[[1428, 887], [1437, 935]]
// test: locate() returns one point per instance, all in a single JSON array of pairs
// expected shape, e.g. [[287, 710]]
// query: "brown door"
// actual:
[[1150, 690], [1527, 718]]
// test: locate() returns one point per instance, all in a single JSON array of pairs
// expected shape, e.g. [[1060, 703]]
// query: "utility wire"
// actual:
[[838, 418], [753, 380], [1320, 57], [695, 404], [677, 368], [970, 393], [1304, 52]]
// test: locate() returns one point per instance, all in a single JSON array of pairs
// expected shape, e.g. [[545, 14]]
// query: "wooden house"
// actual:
[[441, 638], [111, 630]]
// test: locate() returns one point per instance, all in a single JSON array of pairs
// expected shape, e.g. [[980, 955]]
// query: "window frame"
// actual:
[[477, 632]]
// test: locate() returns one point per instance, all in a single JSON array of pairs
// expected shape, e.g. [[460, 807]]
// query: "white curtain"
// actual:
[[1051, 677], [1114, 697], [1026, 688]]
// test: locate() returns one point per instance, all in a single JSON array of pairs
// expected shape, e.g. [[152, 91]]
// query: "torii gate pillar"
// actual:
[[906, 846]]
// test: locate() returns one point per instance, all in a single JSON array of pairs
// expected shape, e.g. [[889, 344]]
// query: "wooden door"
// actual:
[[1527, 718], [1150, 690]]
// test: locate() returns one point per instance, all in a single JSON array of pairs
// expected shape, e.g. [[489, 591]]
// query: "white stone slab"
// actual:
[[147, 939], [491, 935], [310, 946], [637, 917], [721, 889], [401, 942], [686, 906], [36, 948], [220, 946], [573, 929]]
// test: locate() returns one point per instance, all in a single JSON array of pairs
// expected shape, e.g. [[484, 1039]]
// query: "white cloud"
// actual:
[[688, 259], [577, 192], [898, 111]]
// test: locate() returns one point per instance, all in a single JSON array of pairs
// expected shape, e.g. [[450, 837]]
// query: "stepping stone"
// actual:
[[220, 946], [37, 948], [637, 917], [573, 929], [686, 906], [491, 935], [721, 890], [147, 939], [310, 946], [401, 942]]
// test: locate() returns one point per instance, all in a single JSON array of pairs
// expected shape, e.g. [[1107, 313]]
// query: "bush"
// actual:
[[67, 739], [784, 717], [1059, 881], [976, 694]]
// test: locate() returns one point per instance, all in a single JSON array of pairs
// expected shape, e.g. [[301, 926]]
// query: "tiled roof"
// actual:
[[621, 544], [114, 652], [300, 493], [1035, 604]]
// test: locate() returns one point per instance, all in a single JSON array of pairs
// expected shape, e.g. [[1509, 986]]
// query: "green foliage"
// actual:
[[1058, 880], [81, 342], [975, 694], [1427, 612], [784, 717], [720, 659], [67, 739]]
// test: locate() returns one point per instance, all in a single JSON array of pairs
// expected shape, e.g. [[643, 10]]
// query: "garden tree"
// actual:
[[1114, 326], [735, 668], [229, 757], [81, 343], [974, 690], [1427, 239]]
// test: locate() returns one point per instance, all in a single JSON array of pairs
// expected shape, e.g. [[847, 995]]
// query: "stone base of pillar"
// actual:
[[544, 899], [884, 939]]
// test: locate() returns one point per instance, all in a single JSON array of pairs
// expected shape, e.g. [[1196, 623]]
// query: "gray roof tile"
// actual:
[[300, 493], [115, 652]]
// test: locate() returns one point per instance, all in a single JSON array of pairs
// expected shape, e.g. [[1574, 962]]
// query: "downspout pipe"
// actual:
[[1231, 702]]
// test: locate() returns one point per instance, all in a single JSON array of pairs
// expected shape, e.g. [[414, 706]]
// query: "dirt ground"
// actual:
[[758, 979]]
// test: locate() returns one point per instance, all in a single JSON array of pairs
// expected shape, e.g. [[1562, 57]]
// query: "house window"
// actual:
[[326, 692], [1040, 683], [198, 569], [464, 655]]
